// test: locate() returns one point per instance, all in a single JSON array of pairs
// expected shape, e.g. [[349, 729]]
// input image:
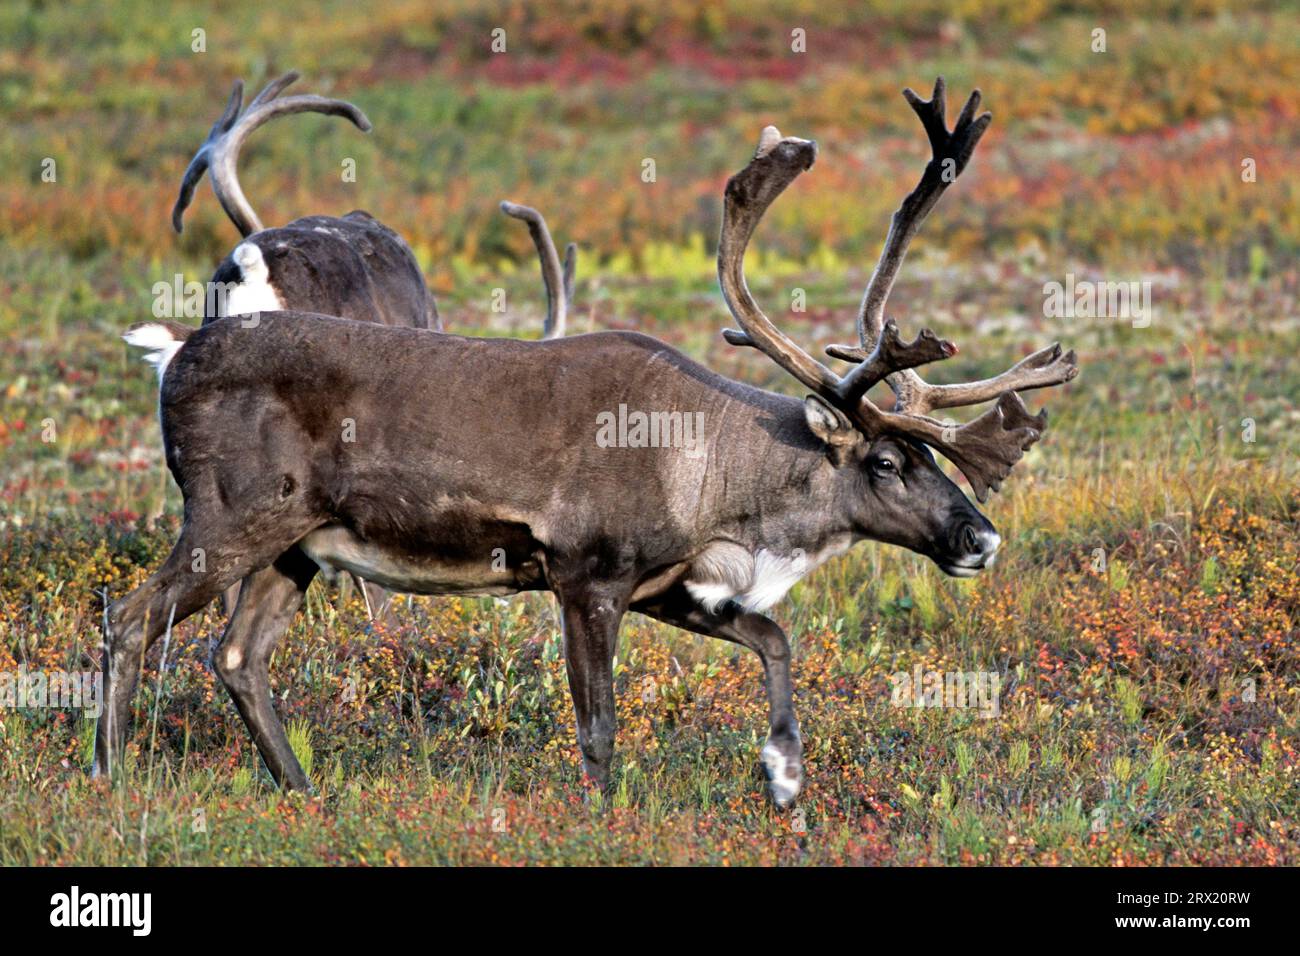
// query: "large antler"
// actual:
[[775, 165], [984, 449], [558, 280], [220, 151], [951, 151]]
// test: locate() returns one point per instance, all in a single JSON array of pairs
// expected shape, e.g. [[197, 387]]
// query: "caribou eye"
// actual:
[[884, 466]]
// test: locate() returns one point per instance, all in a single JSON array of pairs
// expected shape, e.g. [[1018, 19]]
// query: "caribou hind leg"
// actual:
[[229, 599], [170, 595], [782, 754], [268, 600], [379, 600], [209, 556]]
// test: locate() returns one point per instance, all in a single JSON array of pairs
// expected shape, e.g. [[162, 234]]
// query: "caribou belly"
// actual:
[[336, 549]]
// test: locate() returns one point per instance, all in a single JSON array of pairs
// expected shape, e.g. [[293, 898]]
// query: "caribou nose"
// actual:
[[981, 543]]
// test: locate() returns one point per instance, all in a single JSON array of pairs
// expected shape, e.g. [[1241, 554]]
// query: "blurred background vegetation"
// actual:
[[1131, 156]]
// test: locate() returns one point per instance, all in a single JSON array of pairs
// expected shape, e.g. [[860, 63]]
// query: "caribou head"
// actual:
[[903, 496]]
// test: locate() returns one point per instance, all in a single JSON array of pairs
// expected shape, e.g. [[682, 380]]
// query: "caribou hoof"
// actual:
[[784, 772]]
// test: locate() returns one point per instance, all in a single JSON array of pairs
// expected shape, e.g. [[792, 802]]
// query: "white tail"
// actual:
[[160, 342]]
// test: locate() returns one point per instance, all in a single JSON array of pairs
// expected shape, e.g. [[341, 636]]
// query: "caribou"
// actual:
[[351, 266], [444, 464]]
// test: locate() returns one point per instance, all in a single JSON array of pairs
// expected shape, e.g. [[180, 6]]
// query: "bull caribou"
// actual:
[[443, 464], [351, 266]]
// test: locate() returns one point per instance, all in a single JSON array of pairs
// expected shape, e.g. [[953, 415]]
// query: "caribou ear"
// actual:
[[831, 428]]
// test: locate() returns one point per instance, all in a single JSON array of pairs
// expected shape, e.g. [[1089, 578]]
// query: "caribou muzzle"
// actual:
[[973, 548]]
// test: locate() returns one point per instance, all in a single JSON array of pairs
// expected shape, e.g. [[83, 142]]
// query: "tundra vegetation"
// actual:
[[1143, 618]]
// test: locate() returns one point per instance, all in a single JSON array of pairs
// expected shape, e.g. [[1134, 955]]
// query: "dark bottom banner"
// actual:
[[136, 907]]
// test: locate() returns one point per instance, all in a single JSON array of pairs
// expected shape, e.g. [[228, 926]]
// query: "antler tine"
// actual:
[[557, 278], [950, 154], [274, 88], [1044, 368], [231, 112], [220, 151], [890, 355], [199, 164], [776, 164]]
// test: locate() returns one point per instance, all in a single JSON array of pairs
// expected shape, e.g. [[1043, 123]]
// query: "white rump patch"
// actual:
[[727, 572], [159, 343], [254, 293]]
